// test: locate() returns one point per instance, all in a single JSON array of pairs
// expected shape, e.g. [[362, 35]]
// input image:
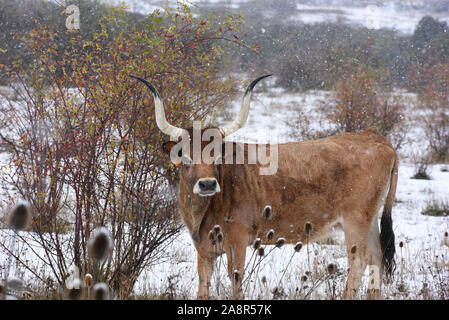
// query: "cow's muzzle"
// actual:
[[206, 187]]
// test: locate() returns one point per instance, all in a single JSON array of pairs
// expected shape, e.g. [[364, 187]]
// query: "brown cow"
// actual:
[[344, 179]]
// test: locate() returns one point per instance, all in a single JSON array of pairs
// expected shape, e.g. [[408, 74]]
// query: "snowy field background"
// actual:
[[402, 16]]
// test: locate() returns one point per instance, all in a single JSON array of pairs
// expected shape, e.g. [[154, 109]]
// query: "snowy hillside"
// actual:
[[402, 16]]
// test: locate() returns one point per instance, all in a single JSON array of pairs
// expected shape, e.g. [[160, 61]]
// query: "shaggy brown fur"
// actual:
[[343, 179]]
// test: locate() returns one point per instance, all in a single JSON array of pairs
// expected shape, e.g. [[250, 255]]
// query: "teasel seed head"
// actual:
[[257, 243], [308, 227], [100, 244], [264, 279], [275, 290], [298, 246], [267, 212], [100, 291], [88, 280], [20, 217], [236, 275], [445, 240], [304, 278], [14, 283], [401, 244], [220, 237], [2, 290], [331, 268], [211, 235], [261, 251], [280, 242], [76, 290], [354, 249], [217, 229], [270, 234]]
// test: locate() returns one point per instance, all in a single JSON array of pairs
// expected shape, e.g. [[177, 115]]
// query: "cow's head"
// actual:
[[187, 148]]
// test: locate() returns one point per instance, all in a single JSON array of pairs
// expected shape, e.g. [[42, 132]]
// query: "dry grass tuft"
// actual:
[[436, 208]]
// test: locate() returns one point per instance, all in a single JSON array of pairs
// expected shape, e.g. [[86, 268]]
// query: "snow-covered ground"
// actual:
[[422, 264], [388, 16]]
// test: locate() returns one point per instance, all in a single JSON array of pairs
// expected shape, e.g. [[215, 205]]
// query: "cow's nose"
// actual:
[[208, 185]]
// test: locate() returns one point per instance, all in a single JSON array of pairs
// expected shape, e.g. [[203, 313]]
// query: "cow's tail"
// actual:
[[386, 223]]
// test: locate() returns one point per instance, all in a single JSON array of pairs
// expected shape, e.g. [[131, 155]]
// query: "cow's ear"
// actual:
[[177, 159], [167, 146]]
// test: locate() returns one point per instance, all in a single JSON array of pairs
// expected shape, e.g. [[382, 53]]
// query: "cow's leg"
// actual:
[[375, 263], [356, 238], [205, 270], [236, 254]]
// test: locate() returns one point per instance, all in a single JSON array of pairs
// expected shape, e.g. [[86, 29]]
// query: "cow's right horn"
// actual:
[[244, 110], [161, 121]]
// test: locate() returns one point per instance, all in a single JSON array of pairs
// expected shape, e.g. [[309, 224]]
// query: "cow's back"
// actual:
[[316, 181]]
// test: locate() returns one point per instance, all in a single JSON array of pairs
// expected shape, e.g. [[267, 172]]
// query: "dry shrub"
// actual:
[[361, 102], [437, 134], [301, 127], [421, 162], [434, 102], [83, 145]]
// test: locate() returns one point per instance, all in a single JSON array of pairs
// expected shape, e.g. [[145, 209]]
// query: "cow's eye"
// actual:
[[186, 161]]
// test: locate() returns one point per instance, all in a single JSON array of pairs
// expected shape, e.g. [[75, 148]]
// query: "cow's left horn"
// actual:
[[161, 121], [244, 110]]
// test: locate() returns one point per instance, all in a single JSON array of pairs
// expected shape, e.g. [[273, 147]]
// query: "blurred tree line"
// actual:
[[316, 56], [304, 56], [19, 17], [361, 66]]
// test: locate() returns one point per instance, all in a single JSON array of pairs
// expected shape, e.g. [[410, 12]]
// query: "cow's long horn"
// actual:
[[161, 121], [244, 110]]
